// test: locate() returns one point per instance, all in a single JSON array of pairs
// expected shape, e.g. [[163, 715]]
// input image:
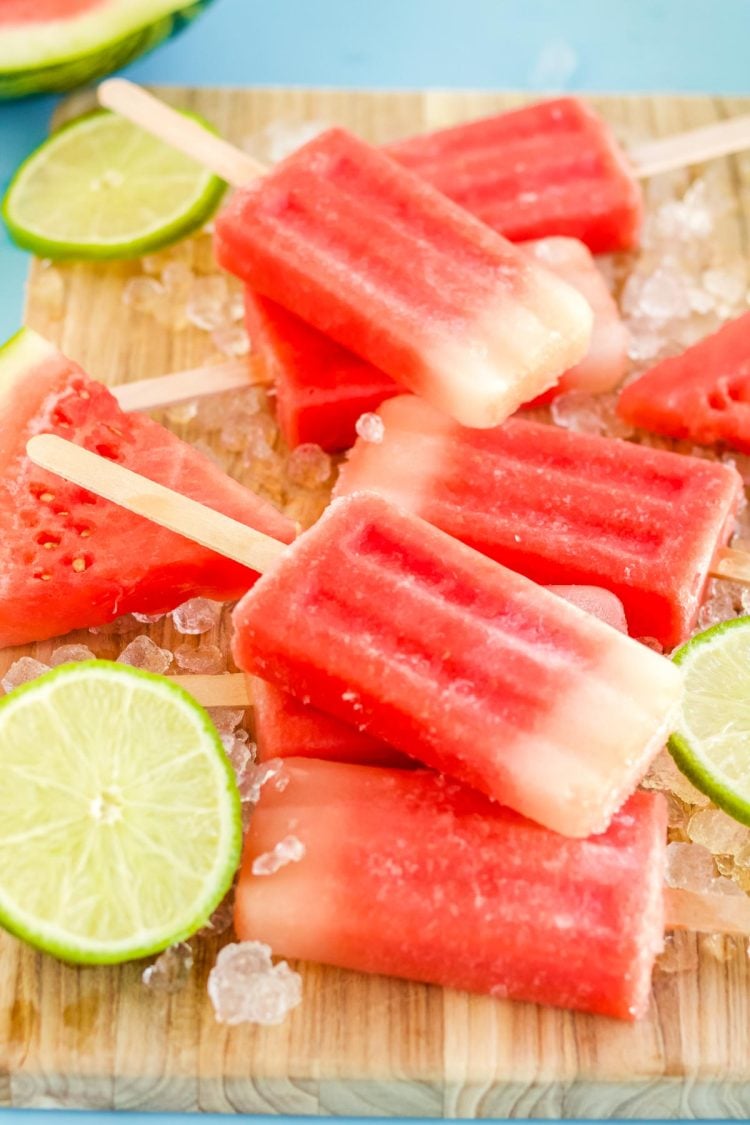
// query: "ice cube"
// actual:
[[67, 654], [144, 653], [182, 412], [258, 438], [690, 867], [206, 660], [718, 832], [241, 754], [716, 946], [21, 671], [196, 616], [308, 466], [231, 340], [589, 414], [142, 293], [148, 618], [206, 305], [370, 427], [171, 969], [246, 987], [260, 775], [226, 719], [289, 850], [664, 774], [680, 953]]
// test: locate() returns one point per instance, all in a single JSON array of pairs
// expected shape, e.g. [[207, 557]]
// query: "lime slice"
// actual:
[[103, 188], [120, 825], [711, 740]]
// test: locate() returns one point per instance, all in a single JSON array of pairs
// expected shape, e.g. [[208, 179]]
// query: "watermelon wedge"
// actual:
[[702, 395], [55, 45], [69, 559]]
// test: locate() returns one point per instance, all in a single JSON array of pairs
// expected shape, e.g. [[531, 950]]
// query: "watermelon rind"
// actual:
[[52, 57]]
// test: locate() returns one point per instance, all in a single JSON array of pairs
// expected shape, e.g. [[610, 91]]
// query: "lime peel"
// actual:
[[711, 739], [120, 818]]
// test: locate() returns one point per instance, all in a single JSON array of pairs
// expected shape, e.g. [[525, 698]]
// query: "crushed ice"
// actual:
[[245, 986]]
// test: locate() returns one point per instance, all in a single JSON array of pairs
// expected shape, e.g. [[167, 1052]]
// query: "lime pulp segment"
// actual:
[[102, 188], [711, 739], [120, 825]]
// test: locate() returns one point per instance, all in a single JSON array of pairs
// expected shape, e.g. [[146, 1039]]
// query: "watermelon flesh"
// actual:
[[408, 873], [71, 559], [286, 727], [702, 395]]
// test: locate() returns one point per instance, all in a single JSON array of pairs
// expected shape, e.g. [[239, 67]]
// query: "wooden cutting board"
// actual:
[[95, 1038]]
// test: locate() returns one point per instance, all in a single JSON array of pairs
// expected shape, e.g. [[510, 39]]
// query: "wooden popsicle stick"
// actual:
[[707, 913], [731, 563], [197, 382], [163, 505], [179, 131], [648, 159], [693, 147], [230, 690]]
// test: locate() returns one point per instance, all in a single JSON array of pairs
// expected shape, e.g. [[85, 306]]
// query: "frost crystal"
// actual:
[[289, 850], [21, 671], [143, 653], [370, 427], [246, 987], [171, 969], [196, 616], [308, 466]]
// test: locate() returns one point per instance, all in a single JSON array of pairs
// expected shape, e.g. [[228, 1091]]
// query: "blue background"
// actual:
[[690, 46]]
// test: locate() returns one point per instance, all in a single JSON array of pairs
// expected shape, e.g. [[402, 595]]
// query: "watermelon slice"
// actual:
[[55, 45], [69, 559], [702, 395]]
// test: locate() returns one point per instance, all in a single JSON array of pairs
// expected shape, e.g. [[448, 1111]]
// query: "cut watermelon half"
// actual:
[[56, 45], [702, 395], [69, 559]]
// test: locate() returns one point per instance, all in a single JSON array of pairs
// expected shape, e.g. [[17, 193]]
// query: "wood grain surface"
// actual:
[[357, 1045]]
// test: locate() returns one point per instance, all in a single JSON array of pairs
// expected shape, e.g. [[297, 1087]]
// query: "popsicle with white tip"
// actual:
[[380, 261]]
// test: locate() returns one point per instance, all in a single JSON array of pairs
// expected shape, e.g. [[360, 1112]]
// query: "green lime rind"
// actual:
[[82, 67], [687, 747], [202, 203], [190, 761]]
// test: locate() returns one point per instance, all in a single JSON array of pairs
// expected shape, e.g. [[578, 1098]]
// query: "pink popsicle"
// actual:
[[372, 256], [408, 873], [561, 507], [389, 624], [549, 168], [322, 388]]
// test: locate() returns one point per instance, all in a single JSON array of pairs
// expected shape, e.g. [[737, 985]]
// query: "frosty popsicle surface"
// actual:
[[378, 260], [411, 874], [544, 169], [390, 625], [561, 507]]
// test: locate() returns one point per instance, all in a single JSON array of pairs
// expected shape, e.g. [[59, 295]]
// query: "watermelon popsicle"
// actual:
[[411, 874], [387, 623], [553, 168], [322, 388], [378, 260], [561, 507]]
